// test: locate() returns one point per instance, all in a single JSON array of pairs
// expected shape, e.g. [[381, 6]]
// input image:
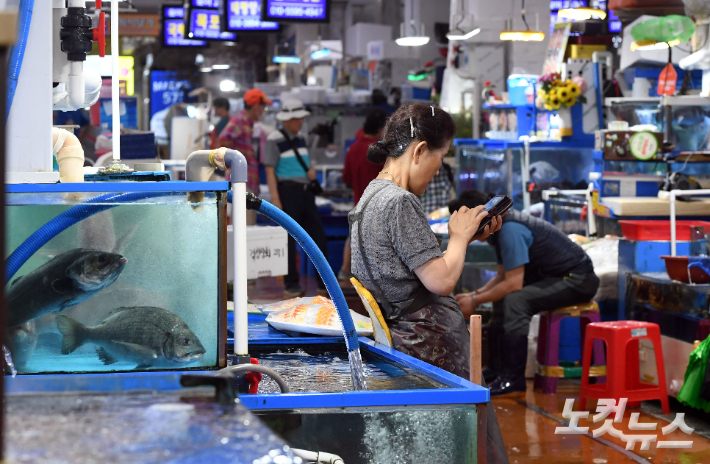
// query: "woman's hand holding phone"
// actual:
[[465, 222]]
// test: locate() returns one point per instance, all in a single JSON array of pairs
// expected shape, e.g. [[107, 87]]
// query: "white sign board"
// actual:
[[267, 252]]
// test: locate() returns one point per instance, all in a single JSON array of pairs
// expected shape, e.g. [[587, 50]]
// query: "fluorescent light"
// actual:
[[208, 69], [412, 41], [320, 54], [228, 85], [220, 66], [645, 45], [581, 14], [525, 36], [452, 35], [286, 59]]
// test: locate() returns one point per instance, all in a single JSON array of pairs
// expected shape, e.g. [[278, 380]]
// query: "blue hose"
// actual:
[[320, 263], [63, 221], [17, 53]]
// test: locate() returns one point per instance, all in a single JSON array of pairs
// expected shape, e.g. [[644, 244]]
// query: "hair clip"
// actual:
[[432, 110], [411, 125]]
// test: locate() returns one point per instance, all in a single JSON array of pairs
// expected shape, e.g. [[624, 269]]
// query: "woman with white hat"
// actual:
[[293, 186]]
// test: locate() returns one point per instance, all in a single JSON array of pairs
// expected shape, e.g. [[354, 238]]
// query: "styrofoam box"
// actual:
[[267, 252], [358, 36]]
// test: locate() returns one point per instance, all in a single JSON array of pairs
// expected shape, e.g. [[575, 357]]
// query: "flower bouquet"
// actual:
[[553, 93]]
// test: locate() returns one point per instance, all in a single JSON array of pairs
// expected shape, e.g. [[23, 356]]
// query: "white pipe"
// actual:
[[115, 102], [591, 223], [239, 222], [75, 85], [525, 174], [672, 196], [70, 155]]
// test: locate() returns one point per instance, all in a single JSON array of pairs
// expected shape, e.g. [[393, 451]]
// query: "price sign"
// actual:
[[205, 24], [296, 10], [205, 3], [246, 16], [168, 88], [174, 29]]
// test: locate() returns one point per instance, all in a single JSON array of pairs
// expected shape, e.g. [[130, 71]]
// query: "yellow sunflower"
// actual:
[[563, 93], [574, 90]]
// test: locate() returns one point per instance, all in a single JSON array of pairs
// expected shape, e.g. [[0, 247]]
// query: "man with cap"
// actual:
[[289, 174], [238, 136]]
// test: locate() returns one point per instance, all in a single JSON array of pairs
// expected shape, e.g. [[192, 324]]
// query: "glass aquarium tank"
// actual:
[[140, 285], [690, 124], [482, 165]]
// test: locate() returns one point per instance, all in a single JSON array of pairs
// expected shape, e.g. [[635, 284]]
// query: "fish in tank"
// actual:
[[141, 285]]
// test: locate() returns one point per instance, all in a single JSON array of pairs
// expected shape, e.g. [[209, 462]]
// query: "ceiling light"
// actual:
[[645, 45], [581, 14], [228, 85], [460, 35], [286, 59], [220, 66], [416, 41], [320, 54], [207, 69], [525, 36]]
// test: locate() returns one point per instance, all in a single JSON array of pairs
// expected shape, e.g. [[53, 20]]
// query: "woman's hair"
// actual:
[[470, 199], [410, 123]]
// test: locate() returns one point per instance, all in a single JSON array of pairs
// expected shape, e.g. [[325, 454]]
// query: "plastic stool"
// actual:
[[548, 368], [622, 342]]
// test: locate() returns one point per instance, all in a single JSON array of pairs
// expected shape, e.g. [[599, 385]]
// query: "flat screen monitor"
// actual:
[[246, 16], [174, 28], [206, 24], [313, 11]]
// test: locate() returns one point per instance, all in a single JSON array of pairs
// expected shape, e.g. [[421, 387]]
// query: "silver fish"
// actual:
[[146, 335], [61, 282]]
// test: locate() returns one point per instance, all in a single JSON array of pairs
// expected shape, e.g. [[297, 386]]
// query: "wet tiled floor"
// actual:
[[528, 421]]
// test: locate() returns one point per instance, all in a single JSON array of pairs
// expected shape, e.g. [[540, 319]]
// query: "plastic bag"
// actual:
[[696, 387]]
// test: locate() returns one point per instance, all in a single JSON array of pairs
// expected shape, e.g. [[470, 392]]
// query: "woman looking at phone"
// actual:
[[396, 256]]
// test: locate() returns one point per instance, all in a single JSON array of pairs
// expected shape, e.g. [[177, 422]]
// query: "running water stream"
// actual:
[[357, 373], [8, 361]]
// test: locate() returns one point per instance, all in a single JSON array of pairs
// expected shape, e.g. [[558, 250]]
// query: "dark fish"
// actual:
[[143, 335], [61, 282]]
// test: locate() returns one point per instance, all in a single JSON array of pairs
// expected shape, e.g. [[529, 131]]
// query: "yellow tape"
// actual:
[[559, 371], [212, 159]]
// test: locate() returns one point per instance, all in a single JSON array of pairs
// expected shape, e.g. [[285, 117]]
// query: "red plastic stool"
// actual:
[[622, 364]]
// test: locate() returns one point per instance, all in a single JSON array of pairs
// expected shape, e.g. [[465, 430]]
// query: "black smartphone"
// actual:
[[495, 207]]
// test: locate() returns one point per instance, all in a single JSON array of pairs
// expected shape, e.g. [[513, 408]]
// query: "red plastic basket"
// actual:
[[659, 230], [677, 269]]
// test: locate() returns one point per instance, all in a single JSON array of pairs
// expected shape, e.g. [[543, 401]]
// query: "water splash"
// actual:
[[356, 371], [10, 364]]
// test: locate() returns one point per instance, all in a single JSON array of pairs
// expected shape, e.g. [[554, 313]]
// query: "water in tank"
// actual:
[[138, 286]]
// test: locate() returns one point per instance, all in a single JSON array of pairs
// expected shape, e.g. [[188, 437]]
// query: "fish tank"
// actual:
[[133, 276], [690, 124], [482, 165]]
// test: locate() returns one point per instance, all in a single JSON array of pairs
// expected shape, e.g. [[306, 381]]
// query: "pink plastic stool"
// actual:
[[623, 378]]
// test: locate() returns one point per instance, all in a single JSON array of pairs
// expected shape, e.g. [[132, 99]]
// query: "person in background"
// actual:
[[539, 269], [379, 100], [440, 192], [221, 110], [358, 172], [290, 185], [237, 135]]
